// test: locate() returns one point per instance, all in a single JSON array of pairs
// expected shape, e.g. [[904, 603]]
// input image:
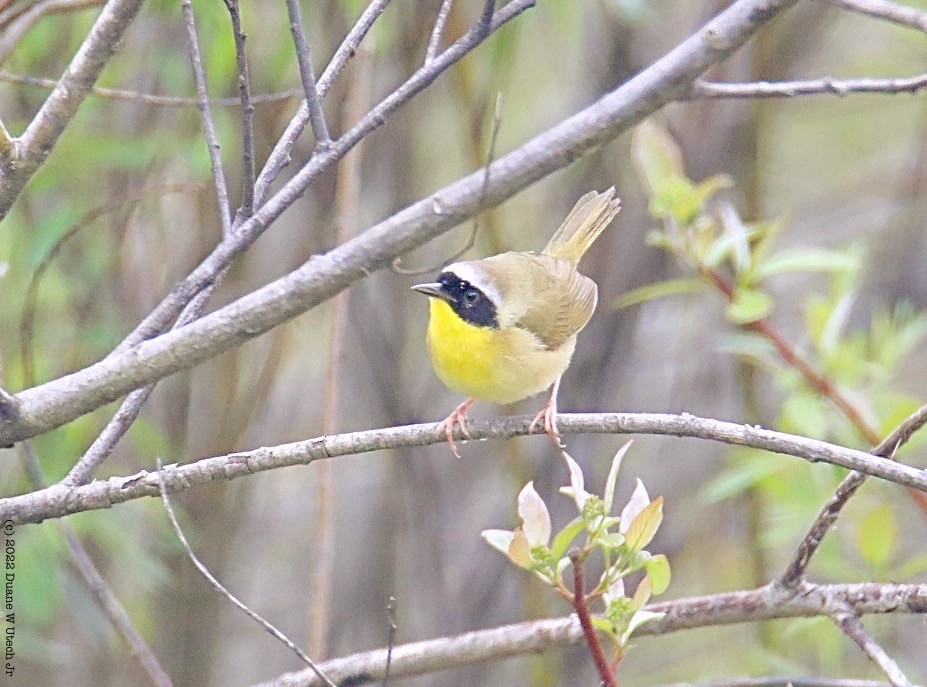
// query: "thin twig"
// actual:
[[106, 599], [396, 265], [247, 111], [304, 57], [150, 98], [882, 9], [390, 638], [750, 606], [204, 571], [606, 675], [280, 155], [825, 519], [791, 89], [209, 127], [849, 622], [59, 500], [12, 33], [438, 30]]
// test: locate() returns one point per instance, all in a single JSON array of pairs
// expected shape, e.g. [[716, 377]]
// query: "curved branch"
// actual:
[[35, 145], [59, 499], [60, 401], [765, 603]]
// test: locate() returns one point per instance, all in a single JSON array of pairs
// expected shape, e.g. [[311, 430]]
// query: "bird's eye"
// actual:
[[471, 296]]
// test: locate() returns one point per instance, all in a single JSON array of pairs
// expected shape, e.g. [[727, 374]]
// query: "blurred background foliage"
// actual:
[[837, 180]]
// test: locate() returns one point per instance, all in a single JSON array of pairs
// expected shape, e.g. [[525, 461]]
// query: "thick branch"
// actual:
[[765, 603], [62, 400], [34, 146], [59, 499]]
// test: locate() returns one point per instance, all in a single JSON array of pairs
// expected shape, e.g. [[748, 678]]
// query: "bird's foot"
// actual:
[[456, 418], [547, 418]]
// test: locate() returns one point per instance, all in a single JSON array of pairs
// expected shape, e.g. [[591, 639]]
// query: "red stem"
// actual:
[[814, 379], [579, 600]]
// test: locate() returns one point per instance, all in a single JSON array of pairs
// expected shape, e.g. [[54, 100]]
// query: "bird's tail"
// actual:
[[588, 218]]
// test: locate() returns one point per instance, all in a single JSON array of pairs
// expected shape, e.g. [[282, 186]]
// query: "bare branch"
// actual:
[[9, 405], [280, 155], [7, 144], [792, 89], [13, 34], [765, 603], [882, 9], [435, 41], [59, 499], [150, 98], [209, 127], [204, 571], [39, 139], [304, 57], [247, 111], [52, 404], [784, 681], [795, 570], [850, 623]]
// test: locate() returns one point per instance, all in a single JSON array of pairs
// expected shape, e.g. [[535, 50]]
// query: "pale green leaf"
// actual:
[[806, 260], [609, 496], [643, 528], [660, 289], [748, 306], [565, 536], [500, 540], [534, 515], [658, 572], [656, 156]]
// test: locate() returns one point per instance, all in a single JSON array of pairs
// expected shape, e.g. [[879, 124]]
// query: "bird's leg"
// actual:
[[458, 417], [548, 415]]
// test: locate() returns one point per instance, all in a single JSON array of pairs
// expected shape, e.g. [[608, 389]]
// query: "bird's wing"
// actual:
[[563, 300]]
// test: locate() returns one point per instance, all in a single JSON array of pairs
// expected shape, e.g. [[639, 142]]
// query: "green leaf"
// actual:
[[611, 540], [609, 496], [877, 534], [658, 572], [603, 625], [660, 289], [748, 306], [565, 536], [642, 529], [806, 260], [656, 156]]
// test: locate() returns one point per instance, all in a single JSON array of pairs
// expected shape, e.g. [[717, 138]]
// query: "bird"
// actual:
[[503, 328]]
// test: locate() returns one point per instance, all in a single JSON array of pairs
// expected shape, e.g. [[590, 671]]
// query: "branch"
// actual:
[[13, 33], [60, 401], [60, 499], [434, 42], [784, 681], [280, 155], [792, 89], [851, 626], [211, 579], [39, 139], [247, 110], [209, 127], [304, 57], [795, 570], [150, 98], [881, 9], [584, 616], [765, 603]]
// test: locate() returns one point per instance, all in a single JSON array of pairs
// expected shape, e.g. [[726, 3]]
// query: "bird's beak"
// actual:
[[432, 289]]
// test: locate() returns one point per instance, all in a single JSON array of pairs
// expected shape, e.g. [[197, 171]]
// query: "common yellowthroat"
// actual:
[[504, 328]]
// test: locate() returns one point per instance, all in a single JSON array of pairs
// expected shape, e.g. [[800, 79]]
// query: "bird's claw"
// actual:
[[458, 418]]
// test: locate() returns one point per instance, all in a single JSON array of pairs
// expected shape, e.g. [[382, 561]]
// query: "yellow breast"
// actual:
[[498, 365]]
